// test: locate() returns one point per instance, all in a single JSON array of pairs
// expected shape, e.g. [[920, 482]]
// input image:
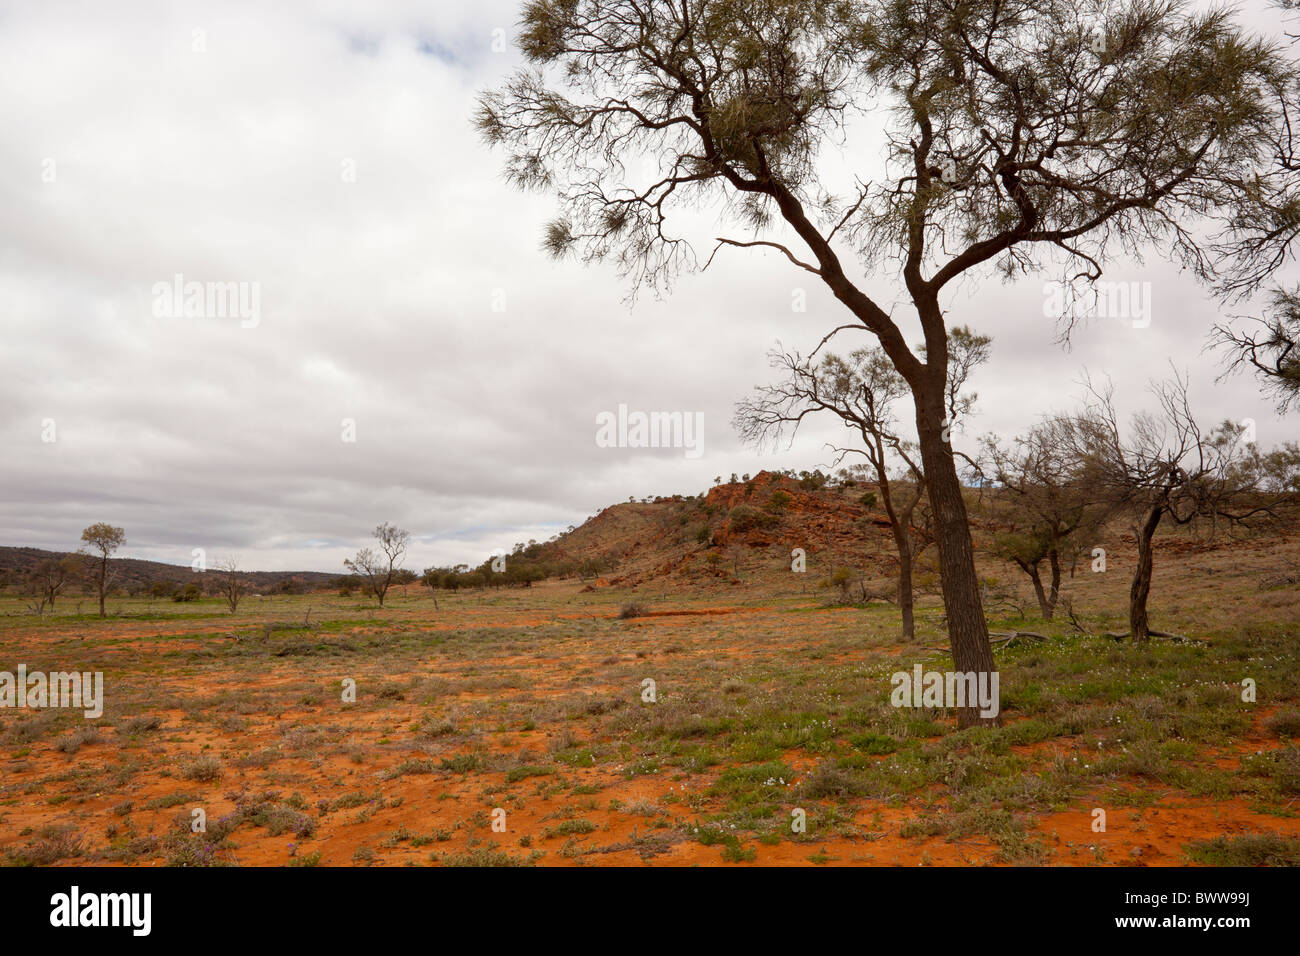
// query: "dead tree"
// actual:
[[230, 583], [1166, 467], [861, 390], [47, 580], [377, 568]]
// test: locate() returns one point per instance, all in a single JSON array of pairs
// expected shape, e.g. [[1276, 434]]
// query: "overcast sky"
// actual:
[[322, 154]]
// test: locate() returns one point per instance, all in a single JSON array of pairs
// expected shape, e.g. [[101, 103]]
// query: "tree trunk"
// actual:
[[905, 589], [103, 581], [967, 630], [1138, 593], [899, 527], [1044, 608], [1054, 595]]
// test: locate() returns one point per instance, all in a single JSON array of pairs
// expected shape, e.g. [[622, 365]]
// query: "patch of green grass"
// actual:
[[573, 827], [871, 743], [1256, 849], [524, 771], [461, 763]]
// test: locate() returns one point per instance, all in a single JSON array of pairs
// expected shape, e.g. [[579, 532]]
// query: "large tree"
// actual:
[[1019, 132], [1271, 349]]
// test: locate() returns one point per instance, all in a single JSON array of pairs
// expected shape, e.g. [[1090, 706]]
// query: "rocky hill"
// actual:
[[737, 529]]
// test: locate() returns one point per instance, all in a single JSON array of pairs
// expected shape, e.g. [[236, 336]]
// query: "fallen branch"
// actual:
[[1009, 640], [1004, 639], [1176, 638]]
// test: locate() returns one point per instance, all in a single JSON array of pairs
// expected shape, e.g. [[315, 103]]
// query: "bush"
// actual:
[[1255, 849], [778, 502], [632, 610], [1284, 724], [745, 518], [139, 725], [872, 743], [813, 480], [203, 769], [53, 843], [1286, 769], [842, 579], [78, 739]]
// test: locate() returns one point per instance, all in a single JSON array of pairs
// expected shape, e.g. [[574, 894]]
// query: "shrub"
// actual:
[[1286, 769], [52, 844], [1284, 724], [778, 502], [1254, 849], [77, 739], [872, 743], [139, 725], [203, 769], [746, 517]]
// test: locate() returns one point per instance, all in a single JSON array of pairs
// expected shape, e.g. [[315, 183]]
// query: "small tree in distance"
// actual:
[[104, 539], [378, 568], [229, 583], [50, 576]]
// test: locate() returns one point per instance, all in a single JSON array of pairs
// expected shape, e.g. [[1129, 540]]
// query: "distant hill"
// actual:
[[744, 527], [138, 576]]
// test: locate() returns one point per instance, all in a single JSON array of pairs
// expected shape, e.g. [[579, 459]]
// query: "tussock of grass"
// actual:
[[202, 769]]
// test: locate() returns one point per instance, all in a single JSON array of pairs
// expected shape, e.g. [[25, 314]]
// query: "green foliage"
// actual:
[[813, 480], [744, 518], [778, 502]]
